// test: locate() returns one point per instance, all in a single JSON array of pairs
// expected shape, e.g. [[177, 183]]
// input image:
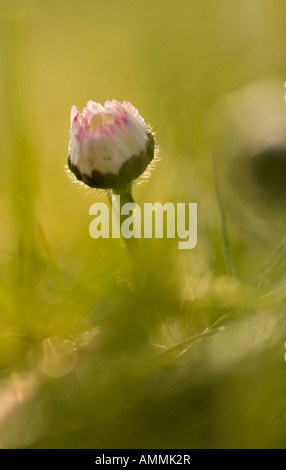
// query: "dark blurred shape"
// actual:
[[269, 169], [248, 136]]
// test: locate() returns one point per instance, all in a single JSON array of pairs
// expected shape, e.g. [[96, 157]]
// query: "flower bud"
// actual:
[[109, 145]]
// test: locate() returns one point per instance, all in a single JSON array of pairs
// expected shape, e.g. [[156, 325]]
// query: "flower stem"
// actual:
[[125, 193], [225, 238]]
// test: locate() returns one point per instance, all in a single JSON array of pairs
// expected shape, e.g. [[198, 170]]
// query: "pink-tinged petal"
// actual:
[[117, 104], [113, 106], [118, 123], [80, 134], [91, 104], [112, 128], [103, 130], [128, 105], [74, 113], [85, 113], [94, 107], [130, 108]]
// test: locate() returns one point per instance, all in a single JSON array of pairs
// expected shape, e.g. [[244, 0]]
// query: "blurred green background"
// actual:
[[99, 350]]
